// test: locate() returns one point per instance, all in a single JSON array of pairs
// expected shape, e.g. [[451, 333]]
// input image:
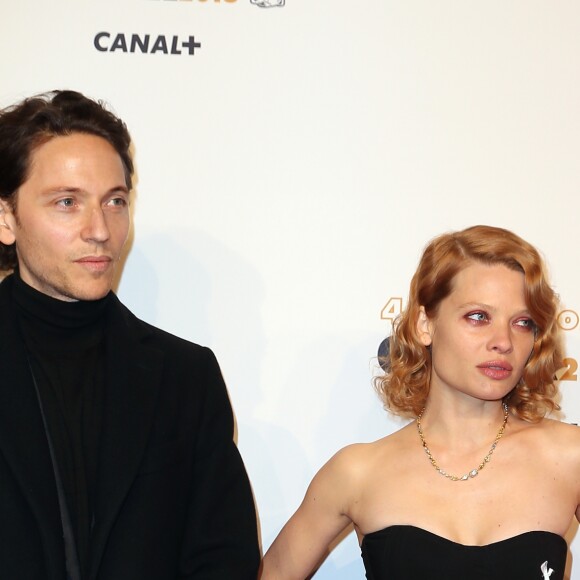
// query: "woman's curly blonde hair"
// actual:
[[405, 385]]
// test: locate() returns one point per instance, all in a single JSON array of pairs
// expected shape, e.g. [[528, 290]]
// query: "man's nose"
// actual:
[[95, 227]]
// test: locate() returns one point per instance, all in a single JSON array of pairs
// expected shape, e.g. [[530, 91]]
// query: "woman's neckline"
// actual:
[[395, 527]]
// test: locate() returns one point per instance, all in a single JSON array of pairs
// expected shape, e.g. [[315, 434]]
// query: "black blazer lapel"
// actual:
[[23, 441], [133, 377]]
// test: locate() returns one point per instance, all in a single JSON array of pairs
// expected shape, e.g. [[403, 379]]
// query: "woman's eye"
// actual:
[[477, 316], [526, 323], [66, 202]]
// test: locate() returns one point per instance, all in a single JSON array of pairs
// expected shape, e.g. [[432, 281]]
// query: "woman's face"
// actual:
[[482, 334]]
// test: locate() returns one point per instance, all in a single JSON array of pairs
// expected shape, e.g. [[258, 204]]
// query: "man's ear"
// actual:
[[7, 223], [424, 327]]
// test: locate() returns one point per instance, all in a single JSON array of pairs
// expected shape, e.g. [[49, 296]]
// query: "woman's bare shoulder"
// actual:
[[560, 430], [560, 439], [360, 458]]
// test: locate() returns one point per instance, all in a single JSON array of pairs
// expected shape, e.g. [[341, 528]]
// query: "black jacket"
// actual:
[[172, 495]]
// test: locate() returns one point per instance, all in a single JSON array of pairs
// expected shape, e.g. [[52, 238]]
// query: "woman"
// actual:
[[480, 485]]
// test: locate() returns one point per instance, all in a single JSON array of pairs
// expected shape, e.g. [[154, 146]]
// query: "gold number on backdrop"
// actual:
[[568, 372], [392, 309], [568, 320]]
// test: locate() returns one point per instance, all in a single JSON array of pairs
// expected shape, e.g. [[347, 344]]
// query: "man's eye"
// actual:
[[118, 202]]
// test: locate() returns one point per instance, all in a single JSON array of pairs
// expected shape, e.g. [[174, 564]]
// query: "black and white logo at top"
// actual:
[[268, 3]]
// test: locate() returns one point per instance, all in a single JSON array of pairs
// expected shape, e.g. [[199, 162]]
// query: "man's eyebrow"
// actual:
[[65, 189], [62, 189], [121, 188]]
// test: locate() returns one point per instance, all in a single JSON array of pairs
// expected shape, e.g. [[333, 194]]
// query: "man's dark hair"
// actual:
[[29, 124]]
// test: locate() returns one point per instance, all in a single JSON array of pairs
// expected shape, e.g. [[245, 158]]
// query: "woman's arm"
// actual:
[[323, 514]]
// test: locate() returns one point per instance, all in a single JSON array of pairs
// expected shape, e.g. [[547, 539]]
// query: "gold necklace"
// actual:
[[473, 472]]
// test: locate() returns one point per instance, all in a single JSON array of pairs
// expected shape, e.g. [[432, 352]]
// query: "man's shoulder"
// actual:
[[154, 336]]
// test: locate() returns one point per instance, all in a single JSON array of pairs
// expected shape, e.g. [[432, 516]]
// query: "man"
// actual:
[[116, 452]]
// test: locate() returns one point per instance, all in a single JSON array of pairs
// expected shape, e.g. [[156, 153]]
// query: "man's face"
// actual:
[[71, 219]]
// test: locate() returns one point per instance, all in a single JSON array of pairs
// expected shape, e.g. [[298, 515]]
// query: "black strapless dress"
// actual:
[[411, 553]]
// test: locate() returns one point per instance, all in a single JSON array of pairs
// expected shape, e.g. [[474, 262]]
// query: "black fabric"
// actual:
[[73, 567], [409, 553], [66, 352], [172, 499]]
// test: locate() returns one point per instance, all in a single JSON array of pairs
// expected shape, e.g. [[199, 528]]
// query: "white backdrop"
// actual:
[[291, 170]]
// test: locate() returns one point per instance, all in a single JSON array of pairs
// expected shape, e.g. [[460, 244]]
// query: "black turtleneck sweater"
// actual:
[[65, 342]]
